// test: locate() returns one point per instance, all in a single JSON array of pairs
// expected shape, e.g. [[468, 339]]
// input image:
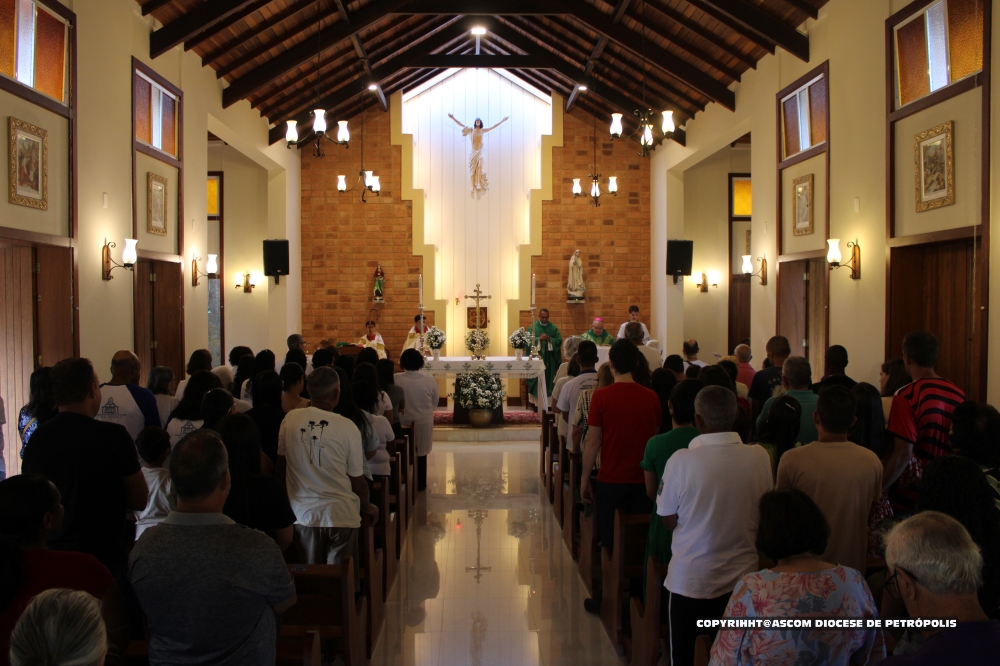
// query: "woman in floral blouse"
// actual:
[[793, 532]]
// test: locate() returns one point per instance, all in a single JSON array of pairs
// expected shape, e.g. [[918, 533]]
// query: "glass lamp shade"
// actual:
[[576, 187], [343, 135], [713, 278], [747, 265], [616, 125], [128, 255], [647, 135], [368, 178], [595, 189], [239, 279], [341, 183], [833, 254], [292, 133], [613, 184], [213, 264], [319, 121], [376, 185], [479, 30], [668, 122]]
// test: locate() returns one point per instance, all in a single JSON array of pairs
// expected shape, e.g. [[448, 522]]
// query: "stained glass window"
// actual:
[[155, 112], [33, 47], [804, 117]]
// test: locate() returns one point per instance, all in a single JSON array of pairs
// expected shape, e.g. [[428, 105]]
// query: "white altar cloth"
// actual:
[[506, 366]]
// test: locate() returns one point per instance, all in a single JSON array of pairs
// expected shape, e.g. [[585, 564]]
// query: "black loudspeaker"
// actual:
[[276, 258], [679, 257]]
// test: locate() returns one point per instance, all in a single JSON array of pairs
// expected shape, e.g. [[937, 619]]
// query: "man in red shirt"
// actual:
[[919, 421], [623, 417]]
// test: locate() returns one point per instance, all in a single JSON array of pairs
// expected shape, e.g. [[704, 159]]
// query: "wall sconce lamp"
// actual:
[[748, 269], [708, 278], [243, 281], [212, 267], [128, 258], [833, 257]]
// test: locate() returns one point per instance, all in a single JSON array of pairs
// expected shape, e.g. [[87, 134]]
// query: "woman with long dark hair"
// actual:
[[161, 384], [244, 371], [366, 397], [366, 372], [267, 412], [187, 416], [386, 370], [348, 408], [216, 404], [254, 500], [41, 405], [293, 382], [869, 432], [780, 432], [200, 359], [975, 433]]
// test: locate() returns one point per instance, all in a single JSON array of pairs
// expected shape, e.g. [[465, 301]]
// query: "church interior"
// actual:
[[482, 193]]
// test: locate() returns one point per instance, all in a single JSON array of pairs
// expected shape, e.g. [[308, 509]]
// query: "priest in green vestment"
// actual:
[[549, 349], [598, 335]]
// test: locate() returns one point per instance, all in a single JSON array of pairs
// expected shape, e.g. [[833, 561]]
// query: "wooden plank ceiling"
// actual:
[[287, 57]]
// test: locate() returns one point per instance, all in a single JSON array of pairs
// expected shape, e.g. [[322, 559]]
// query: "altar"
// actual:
[[508, 367]]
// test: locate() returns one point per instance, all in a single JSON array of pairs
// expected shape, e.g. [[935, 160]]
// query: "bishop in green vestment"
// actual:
[[549, 349], [598, 335]]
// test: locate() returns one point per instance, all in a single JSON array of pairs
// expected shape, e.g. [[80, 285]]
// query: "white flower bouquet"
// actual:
[[435, 338], [520, 339], [477, 338], [479, 389]]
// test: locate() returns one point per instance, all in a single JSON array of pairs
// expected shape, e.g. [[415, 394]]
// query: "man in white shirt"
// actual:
[[691, 350], [586, 356], [123, 401], [633, 315], [319, 461], [633, 333], [708, 496]]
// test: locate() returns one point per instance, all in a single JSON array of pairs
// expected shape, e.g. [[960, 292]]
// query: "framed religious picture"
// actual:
[[156, 204], [747, 251], [934, 167], [471, 317], [29, 165], [802, 188]]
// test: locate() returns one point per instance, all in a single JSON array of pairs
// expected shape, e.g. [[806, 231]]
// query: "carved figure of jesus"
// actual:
[[476, 171]]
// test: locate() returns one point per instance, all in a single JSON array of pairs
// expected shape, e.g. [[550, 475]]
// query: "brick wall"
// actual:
[[613, 239], [343, 240]]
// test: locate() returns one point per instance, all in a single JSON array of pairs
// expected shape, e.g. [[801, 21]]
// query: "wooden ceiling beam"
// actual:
[[153, 5], [288, 61], [602, 42], [703, 32], [804, 7], [267, 24], [620, 9], [765, 25], [683, 71], [485, 7], [474, 61], [692, 50], [191, 23], [225, 23]]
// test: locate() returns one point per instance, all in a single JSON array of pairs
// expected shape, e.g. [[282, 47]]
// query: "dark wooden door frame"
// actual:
[[221, 217], [729, 273]]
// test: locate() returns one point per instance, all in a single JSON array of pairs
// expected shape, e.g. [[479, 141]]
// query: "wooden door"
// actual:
[[53, 304], [792, 305], [142, 314], [817, 310], [168, 316], [739, 310], [930, 288], [16, 343]]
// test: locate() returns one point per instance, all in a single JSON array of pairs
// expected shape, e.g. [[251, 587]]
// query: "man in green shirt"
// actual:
[[796, 377], [658, 451], [549, 342], [598, 335]]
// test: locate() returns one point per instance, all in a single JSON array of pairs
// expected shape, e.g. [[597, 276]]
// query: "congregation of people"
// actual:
[[772, 493]]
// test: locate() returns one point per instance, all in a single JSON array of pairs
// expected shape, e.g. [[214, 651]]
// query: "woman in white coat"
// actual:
[[421, 394]]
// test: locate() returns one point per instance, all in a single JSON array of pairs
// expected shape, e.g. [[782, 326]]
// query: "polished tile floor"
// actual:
[[485, 578]]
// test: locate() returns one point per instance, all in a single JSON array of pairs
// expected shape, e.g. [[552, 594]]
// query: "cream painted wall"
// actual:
[[706, 222], [791, 243], [144, 165], [104, 112], [245, 193], [54, 220]]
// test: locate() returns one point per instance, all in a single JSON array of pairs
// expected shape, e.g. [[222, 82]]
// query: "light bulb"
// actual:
[[478, 31], [595, 189], [213, 264], [582, 88], [239, 279], [647, 135], [577, 190], [833, 254], [368, 178], [376, 185], [292, 133], [616, 125], [747, 265], [373, 87], [668, 122], [713, 278], [343, 135], [128, 255], [319, 121], [341, 183], [613, 184]]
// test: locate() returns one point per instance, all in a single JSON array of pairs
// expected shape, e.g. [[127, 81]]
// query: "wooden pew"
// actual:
[[327, 605], [551, 457], [560, 474], [650, 628], [407, 467], [398, 501], [385, 531], [588, 549], [409, 474], [371, 565], [625, 562], [543, 445], [303, 651], [571, 506]]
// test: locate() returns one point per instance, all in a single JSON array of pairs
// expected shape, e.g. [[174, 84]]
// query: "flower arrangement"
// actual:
[[435, 337], [477, 338], [520, 339], [479, 389], [480, 486]]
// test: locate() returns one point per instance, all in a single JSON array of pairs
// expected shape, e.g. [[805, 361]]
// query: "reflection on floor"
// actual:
[[485, 578]]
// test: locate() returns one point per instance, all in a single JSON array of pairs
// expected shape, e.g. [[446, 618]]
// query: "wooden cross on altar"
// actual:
[[478, 297]]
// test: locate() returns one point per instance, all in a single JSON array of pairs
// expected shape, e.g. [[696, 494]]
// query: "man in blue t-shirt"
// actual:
[[123, 401]]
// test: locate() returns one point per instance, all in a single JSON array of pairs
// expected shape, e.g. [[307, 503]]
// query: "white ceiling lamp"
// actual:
[[595, 178], [367, 180], [318, 116], [668, 123], [616, 126], [479, 31]]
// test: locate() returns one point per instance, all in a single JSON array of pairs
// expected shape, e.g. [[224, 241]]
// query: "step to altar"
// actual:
[[505, 433]]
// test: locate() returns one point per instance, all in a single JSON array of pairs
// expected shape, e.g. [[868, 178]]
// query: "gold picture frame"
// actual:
[[29, 165], [156, 204], [802, 205], [934, 167]]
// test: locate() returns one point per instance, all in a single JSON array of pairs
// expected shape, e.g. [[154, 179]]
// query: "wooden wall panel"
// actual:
[[168, 322], [817, 312], [54, 304], [142, 313], [739, 310], [792, 304], [16, 344]]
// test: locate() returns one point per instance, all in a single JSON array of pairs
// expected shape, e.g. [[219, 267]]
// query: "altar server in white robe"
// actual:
[[420, 391]]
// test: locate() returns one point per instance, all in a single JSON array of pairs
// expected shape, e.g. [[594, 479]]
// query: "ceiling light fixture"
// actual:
[[368, 179], [595, 179], [478, 30], [318, 115]]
